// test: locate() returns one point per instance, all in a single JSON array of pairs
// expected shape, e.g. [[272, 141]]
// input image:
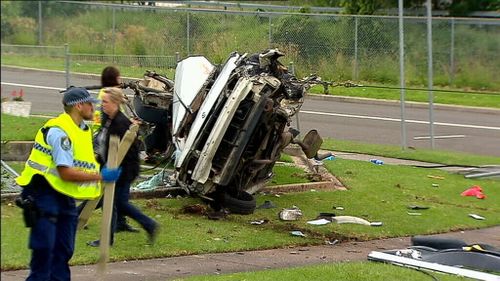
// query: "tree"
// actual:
[[30, 8], [455, 7], [465, 7], [363, 7]]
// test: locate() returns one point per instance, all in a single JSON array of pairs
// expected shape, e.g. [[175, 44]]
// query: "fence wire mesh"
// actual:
[[337, 47]]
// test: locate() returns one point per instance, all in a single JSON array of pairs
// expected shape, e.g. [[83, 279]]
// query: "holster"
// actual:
[[30, 212]]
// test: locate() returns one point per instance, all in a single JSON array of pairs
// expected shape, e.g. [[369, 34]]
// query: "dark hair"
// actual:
[[109, 76]]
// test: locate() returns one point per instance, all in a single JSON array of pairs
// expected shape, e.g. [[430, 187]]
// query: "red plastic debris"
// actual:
[[474, 190]]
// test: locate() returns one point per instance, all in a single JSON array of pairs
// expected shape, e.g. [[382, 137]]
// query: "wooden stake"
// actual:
[[107, 212]]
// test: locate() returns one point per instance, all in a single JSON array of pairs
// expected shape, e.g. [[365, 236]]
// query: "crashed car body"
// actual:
[[229, 125]]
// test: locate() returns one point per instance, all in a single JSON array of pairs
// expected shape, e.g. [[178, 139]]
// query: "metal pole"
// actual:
[[114, 33], [270, 33], [177, 57], [187, 33], [429, 71], [402, 75], [40, 23], [355, 75], [452, 51], [9, 169], [66, 67]]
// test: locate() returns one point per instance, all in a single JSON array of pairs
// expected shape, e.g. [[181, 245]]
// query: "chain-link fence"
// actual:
[[338, 47]]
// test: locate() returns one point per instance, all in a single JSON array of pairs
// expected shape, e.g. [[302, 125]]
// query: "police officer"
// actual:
[[60, 169]]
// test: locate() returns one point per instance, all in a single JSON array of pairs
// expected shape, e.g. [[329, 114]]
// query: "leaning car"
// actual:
[[225, 125]]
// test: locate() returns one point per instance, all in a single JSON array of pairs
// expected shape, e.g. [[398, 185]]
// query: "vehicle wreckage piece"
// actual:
[[206, 106], [409, 262], [204, 164], [229, 124], [350, 219]]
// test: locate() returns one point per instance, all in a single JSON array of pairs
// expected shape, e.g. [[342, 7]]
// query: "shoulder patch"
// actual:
[[65, 143]]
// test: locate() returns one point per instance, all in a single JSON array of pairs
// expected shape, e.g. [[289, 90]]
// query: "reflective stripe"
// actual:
[[83, 164], [44, 169], [41, 168], [39, 147]]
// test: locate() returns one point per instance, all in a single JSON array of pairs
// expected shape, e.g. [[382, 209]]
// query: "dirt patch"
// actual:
[[314, 168], [302, 187]]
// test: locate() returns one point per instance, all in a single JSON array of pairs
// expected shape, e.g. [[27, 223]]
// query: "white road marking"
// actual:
[[439, 137], [32, 86], [39, 87], [399, 120]]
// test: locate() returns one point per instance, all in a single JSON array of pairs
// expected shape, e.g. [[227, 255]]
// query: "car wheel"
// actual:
[[243, 204]]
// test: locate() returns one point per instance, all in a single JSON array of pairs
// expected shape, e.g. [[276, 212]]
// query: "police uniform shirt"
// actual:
[[62, 148]]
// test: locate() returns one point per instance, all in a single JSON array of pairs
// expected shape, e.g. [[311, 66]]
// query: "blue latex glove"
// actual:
[[110, 175]]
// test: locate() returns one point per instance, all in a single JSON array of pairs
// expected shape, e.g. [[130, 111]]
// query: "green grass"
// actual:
[[286, 174], [426, 155], [16, 128], [376, 193], [80, 67], [355, 271], [468, 99]]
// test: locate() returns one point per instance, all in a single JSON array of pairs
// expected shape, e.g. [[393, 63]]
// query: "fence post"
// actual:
[[430, 72], [452, 52], [177, 57], [270, 32], [355, 74], [402, 74], [187, 33], [67, 63], [40, 29], [292, 68], [114, 33]]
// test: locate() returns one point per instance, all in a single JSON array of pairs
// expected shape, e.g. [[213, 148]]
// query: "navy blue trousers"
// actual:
[[125, 208], [52, 238]]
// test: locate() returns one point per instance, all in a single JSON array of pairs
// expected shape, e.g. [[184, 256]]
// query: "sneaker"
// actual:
[[126, 228]]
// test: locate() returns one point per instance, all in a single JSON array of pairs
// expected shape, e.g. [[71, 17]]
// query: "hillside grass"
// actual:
[[320, 44]]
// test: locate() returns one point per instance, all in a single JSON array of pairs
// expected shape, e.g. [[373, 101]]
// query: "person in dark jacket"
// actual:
[[114, 122], [110, 77]]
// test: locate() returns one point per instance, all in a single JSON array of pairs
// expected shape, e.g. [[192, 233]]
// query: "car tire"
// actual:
[[243, 204]]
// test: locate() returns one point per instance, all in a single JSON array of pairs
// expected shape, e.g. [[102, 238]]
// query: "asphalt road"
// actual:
[[455, 128]]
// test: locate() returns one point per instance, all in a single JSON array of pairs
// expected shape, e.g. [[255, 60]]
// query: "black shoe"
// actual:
[[153, 233], [126, 228], [97, 243]]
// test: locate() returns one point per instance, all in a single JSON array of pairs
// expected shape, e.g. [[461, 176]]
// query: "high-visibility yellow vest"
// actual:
[[40, 160], [96, 121]]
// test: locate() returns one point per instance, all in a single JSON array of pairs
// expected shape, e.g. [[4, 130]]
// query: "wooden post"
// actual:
[[107, 212], [123, 147]]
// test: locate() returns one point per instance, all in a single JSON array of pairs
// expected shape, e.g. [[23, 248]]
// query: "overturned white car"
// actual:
[[227, 124]]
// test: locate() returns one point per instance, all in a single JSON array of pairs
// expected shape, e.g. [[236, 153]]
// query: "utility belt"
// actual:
[[26, 201], [31, 213]]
